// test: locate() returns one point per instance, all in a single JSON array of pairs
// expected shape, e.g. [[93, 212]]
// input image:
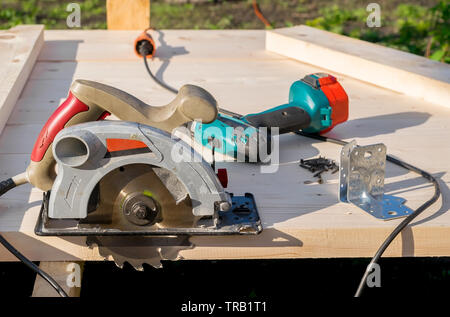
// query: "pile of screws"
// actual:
[[318, 166]]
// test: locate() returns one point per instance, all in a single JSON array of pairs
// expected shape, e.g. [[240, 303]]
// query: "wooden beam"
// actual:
[[128, 14], [19, 48], [67, 274], [402, 72]]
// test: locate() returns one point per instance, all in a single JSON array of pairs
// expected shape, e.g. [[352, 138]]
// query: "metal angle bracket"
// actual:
[[361, 181]]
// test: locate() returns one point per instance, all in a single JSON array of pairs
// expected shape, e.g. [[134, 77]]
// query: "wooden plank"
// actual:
[[19, 48], [170, 44], [300, 220], [128, 14], [67, 274], [403, 72]]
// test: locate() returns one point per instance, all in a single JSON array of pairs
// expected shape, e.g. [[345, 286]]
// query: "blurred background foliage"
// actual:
[[52, 13], [418, 26]]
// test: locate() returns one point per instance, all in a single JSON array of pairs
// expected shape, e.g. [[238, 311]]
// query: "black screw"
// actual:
[[318, 166]]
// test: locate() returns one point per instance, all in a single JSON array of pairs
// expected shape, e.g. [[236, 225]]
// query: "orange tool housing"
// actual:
[[338, 99], [144, 36]]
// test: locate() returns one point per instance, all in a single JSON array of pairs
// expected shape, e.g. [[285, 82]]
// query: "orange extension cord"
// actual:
[[259, 14]]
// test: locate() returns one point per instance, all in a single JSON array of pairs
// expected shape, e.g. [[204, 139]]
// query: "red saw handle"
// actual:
[[41, 170], [68, 110]]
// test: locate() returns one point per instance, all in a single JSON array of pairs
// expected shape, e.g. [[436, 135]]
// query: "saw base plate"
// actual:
[[241, 219]]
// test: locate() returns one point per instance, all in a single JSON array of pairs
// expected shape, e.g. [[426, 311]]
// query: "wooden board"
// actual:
[[300, 220], [403, 72], [19, 48], [128, 14]]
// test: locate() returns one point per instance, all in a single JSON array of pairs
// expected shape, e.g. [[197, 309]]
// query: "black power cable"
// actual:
[[398, 229], [5, 186], [159, 82]]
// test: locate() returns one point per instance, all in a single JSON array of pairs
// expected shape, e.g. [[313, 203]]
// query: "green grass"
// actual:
[[51, 13], [416, 26]]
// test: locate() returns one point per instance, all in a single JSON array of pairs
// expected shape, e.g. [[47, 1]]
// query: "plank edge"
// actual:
[[385, 76]]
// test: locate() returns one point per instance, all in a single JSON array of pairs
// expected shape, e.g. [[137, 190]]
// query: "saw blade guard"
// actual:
[[87, 152]]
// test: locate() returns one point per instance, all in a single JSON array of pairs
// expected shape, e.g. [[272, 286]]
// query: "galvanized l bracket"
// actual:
[[361, 181]]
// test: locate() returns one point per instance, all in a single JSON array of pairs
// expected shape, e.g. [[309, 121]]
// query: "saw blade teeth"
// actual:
[[138, 251], [156, 264], [118, 263], [138, 266]]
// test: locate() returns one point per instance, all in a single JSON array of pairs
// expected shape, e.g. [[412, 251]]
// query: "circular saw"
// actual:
[[130, 180], [121, 183], [125, 178]]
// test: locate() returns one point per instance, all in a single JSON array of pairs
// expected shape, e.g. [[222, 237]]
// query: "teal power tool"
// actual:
[[317, 103]]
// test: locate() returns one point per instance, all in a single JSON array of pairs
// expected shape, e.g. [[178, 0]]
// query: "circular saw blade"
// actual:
[[172, 214], [142, 179], [138, 251]]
